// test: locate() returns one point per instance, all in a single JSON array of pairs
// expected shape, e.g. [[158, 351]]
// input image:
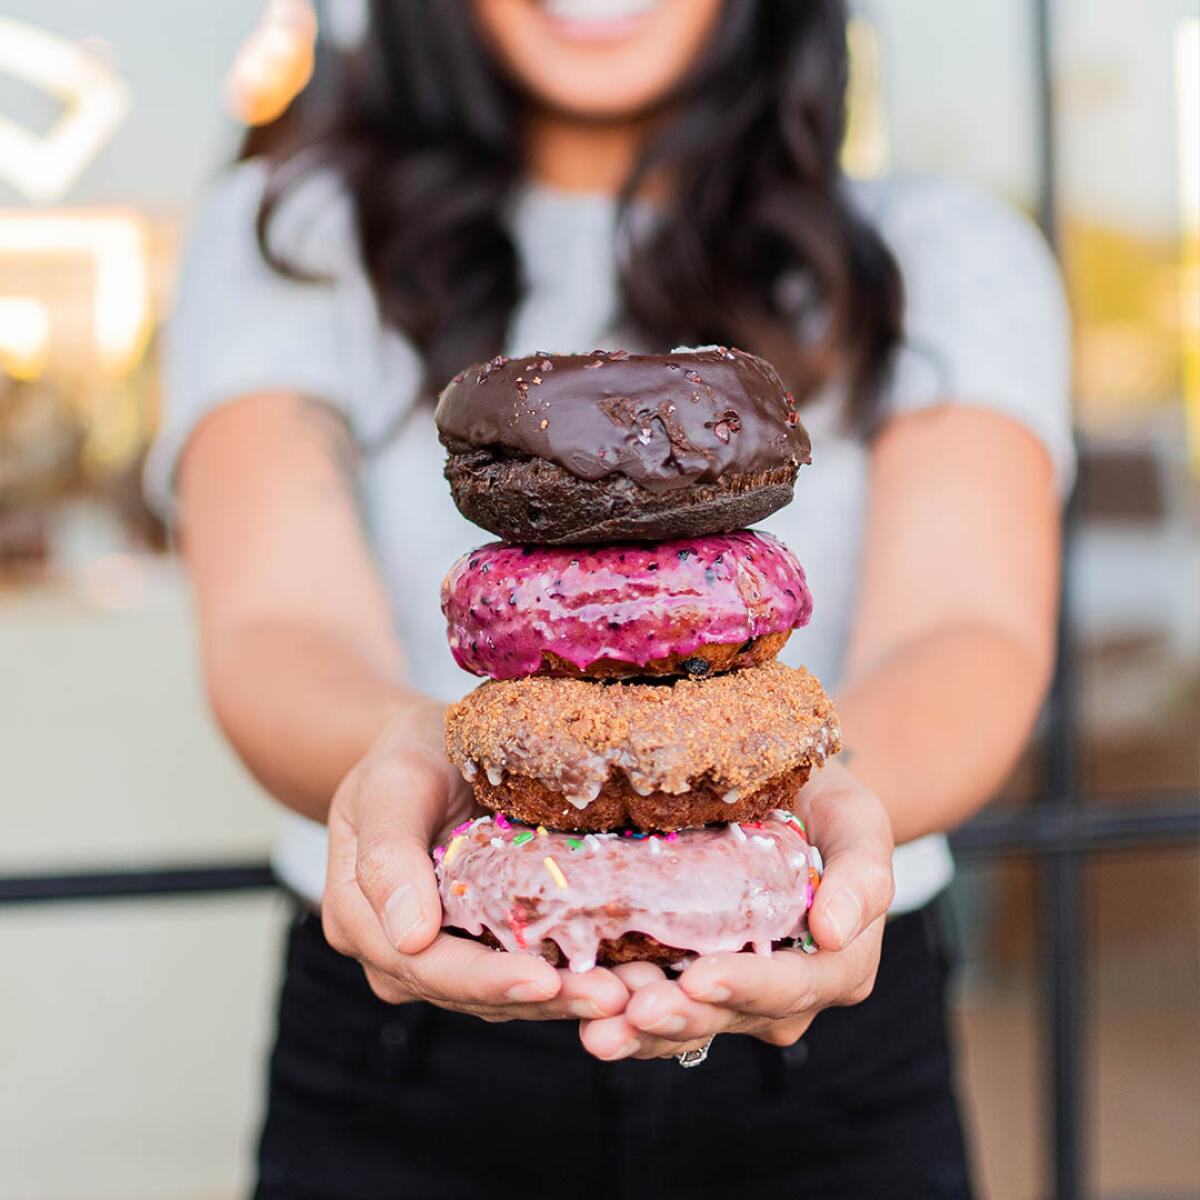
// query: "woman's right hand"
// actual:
[[381, 903]]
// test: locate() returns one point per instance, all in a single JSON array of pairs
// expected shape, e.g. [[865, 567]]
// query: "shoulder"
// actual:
[[953, 238], [311, 228]]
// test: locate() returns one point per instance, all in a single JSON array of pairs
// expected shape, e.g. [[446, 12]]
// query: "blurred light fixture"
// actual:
[[24, 336], [274, 63], [1187, 100], [43, 167], [866, 152], [346, 22], [115, 245]]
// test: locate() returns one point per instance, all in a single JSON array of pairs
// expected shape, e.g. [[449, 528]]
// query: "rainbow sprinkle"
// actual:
[[555, 873], [502, 822], [541, 831], [452, 850], [575, 843], [523, 837], [458, 889]]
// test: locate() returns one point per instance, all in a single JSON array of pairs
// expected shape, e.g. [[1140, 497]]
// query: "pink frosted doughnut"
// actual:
[[604, 898], [682, 607]]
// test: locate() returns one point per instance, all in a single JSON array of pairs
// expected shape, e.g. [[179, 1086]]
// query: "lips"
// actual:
[[597, 19]]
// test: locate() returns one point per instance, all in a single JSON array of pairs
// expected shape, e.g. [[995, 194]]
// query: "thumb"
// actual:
[[855, 836], [855, 892], [398, 821]]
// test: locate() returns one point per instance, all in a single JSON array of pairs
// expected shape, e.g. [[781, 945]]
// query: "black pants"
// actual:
[[370, 1102]]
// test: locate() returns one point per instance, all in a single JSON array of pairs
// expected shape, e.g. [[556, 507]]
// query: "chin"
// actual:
[[597, 59]]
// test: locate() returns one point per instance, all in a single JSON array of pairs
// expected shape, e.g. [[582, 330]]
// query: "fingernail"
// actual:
[[587, 1010], [526, 993], [717, 994], [631, 1047], [401, 914], [843, 910], [671, 1023]]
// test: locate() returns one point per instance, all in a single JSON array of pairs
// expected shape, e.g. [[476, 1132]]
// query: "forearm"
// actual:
[[934, 729], [302, 705]]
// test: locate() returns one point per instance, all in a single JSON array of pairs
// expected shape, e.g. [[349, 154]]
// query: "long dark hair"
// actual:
[[756, 245]]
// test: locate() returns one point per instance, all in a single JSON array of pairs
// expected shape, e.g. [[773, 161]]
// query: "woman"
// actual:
[[562, 174]]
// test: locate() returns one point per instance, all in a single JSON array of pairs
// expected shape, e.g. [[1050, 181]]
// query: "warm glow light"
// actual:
[[1187, 98], [866, 152], [115, 244], [24, 336], [43, 166], [274, 63]]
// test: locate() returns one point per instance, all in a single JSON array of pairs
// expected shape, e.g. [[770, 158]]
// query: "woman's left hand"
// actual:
[[775, 998]]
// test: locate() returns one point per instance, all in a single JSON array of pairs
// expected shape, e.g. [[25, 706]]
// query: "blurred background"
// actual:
[[133, 1029]]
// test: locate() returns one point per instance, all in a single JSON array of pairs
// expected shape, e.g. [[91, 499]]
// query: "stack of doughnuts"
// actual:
[[637, 745]]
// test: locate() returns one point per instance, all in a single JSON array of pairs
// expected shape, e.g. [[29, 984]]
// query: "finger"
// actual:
[[637, 975], [601, 995], [614, 1039], [459, 971], [589, 995], [452, 971], [788, 983], [664, 1010], [854, 834], [610, 1039]]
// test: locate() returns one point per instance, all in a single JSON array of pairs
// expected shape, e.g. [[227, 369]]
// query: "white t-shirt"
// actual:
[[985, 325]]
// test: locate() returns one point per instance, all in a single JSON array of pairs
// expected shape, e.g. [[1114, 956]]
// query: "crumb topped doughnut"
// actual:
[[603, 898], [730, 734], [692, 606], [557, 448], [619, 806]]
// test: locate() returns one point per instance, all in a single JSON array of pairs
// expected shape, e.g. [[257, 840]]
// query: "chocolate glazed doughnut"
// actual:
[[614, 446]]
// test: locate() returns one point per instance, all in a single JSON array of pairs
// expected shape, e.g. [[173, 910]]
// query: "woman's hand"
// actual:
[[381, 903], [776, 998]]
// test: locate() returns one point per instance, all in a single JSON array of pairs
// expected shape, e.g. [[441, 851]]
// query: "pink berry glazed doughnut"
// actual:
[[609, 898], [694, 607]]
